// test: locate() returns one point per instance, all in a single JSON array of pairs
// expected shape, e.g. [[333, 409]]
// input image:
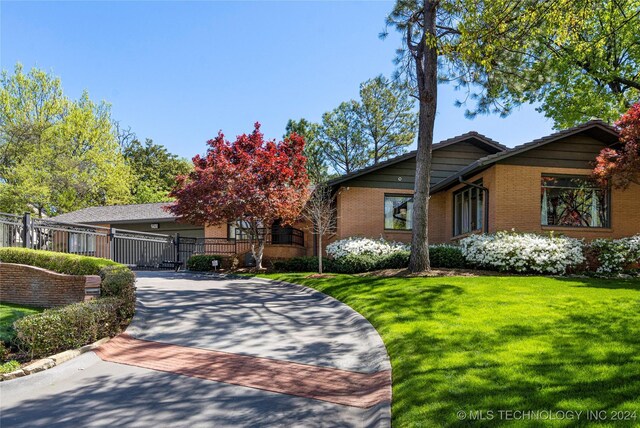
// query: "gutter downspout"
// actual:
[[485, 226]]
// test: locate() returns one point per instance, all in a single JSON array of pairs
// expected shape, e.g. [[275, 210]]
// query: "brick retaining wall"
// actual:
[[33, 286]]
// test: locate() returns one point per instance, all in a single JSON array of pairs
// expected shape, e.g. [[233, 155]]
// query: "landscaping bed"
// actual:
[[43, 333], [499, 342]]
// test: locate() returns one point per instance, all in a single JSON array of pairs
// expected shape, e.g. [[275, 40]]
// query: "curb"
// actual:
[[52, 361]]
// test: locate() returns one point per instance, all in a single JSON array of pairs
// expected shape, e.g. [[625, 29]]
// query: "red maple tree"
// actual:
[[251, 181], [621, 167]]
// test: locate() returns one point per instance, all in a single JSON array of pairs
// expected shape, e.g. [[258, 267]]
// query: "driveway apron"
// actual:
[[214, 351]]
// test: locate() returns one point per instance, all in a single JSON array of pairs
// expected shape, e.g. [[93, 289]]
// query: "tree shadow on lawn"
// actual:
[[607, 283], [472, 348]]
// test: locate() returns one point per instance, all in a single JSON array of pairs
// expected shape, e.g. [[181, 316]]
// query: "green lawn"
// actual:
[[501, 343], [8, 314]]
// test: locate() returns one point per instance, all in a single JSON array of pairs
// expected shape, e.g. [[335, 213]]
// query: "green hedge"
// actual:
[[71, 264], [446, 256], [72, 326], [69, 327], [119, 282], [442, 256], [202, 262], [302, 264]]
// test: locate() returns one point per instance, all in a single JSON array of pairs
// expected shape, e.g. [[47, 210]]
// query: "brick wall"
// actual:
[[514, 194], [517, 204], [361, 213], [514, 203], [33, 286]]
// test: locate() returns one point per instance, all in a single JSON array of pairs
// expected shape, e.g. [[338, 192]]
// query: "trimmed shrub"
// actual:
[[202, 262], [119, 281], [71, 264], [396, 260], [302, 264], [72, 326], [523, 252], [446, 256], [356, 263]]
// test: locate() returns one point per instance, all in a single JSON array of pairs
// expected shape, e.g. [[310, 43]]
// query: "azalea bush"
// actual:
[[615, 255], [364, 246], [523, 252]]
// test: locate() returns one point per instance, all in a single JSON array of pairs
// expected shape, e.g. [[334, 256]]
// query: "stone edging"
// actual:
[[52, 361]]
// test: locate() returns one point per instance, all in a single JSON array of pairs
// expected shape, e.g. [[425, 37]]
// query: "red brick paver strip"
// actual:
[[321, 383]]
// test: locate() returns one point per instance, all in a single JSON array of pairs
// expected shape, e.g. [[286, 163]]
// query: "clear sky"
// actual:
[[178, 72]]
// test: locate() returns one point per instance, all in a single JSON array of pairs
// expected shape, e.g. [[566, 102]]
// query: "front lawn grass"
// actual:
[[501, 343], [10, 313]]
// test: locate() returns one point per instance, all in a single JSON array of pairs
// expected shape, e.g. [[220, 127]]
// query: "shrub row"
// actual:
[[442, 256], [532, 253], [72, 326], [75, 325], [522, 252], [502, 251], [71, 264], [202, 262]]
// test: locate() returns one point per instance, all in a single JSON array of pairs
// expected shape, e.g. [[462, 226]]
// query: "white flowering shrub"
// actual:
[[364, 246], [615, 255], [523, 252]]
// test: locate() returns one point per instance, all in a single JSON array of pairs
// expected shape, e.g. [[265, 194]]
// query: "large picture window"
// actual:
[[468, 206], [574, 201], [398, 212]]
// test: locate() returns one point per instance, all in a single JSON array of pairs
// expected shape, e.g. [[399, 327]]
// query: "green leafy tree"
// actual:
[[154, 170], [342, 140], [57, 155], [578, 58], [387, 117], [317, 169]]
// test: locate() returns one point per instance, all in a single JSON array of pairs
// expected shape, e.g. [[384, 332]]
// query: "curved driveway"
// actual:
[[270, 333]]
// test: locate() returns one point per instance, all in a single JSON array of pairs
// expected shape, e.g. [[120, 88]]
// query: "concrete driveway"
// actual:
[[211, 351]]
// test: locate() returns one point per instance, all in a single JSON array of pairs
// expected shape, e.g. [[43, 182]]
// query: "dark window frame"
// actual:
[[481, 211], [609, 211], [384, 213]]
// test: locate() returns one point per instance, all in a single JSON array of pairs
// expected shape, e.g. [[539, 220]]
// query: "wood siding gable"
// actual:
[[446, 161], [578, 151]]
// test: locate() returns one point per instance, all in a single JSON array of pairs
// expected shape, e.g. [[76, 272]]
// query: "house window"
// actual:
[[398, 212], [234, 230], [574, 201], [82, 243], [468, 210]]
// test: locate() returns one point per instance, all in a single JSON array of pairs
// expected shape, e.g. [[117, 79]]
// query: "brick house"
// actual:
[[477, 185]]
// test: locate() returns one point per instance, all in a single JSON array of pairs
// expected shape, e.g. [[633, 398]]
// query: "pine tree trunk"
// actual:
[[426, 73]]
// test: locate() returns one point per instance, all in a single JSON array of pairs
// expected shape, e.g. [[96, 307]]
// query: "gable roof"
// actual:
[[133, 213], [473, 137], [597, 128]]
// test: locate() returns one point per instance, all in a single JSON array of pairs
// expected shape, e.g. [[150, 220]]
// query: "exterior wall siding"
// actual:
[[517, 204], [361, 213], [446, 161]]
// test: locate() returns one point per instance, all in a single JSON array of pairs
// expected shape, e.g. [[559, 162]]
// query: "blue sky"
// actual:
[[178, 72]]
